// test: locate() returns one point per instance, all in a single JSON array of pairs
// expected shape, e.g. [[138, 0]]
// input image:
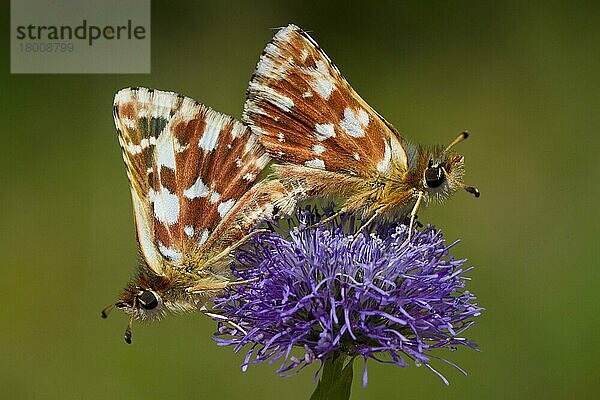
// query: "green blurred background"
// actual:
[[523, 78]]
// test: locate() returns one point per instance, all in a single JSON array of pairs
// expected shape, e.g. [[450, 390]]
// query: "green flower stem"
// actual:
[[336, 378]]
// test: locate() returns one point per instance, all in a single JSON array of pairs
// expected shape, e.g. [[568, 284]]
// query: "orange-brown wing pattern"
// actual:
[[305, 112], [188, 166]]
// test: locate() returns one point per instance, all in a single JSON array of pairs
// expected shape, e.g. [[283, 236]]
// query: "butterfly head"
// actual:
[[443, 172], [144, 299], [142, 303]]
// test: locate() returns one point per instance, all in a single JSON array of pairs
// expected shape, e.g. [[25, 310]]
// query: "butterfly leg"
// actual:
[[234, 246], [377, 212], [413, 214], [217, 282], [244, 282], [225, 320]]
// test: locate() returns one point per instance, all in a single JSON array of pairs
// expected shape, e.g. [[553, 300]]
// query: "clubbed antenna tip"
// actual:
[[461, 136], [473, 190]]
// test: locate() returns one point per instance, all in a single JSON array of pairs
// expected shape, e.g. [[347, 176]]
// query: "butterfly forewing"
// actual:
[[306, 113], [188, 166]]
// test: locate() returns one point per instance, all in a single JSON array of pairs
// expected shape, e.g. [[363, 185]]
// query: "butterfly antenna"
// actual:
[[471, 189], [106, 311], [462, 136], [127, 335]]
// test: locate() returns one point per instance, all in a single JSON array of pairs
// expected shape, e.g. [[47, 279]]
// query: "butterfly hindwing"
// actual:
[[304, 112], [188, 166]]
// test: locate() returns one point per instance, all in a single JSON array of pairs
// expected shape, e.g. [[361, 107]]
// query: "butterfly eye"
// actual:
[[434, 176], [148, 300]]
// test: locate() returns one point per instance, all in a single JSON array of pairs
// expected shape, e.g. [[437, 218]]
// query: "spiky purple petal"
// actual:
[[329, 289]]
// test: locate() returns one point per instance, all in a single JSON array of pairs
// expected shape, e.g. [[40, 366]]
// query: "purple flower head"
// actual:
[[326, 290]]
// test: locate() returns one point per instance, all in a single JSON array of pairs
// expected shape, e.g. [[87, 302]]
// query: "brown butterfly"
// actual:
[[331, 144], [192, 174]]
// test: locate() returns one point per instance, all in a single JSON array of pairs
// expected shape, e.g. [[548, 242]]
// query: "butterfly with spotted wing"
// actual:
[[331, 144], [192, 175]]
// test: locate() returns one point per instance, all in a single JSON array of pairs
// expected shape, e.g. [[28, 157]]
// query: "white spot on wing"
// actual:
[[304, 54], [363, 117], [198, 189], [214, 197], [356, 156], [324, 131], [165, 154], [322, 82], [203, 237], [280, 137], [170, 253], [189, 230], [214, 124], [146, 143], [166, 205], [385, 165], [179, 148], [238, 129], [315, 163], [269, 94], [224, 207], [354, 124], [128, 122], [133, 149], [249, 177], [318, 149], [398, 153]]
